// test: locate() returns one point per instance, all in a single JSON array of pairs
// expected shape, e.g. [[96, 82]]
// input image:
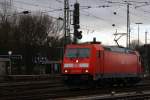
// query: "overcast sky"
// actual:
[[97, 21]]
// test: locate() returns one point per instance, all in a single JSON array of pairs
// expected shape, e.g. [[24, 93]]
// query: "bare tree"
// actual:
[[32, 29], [5, 10], [55, 35], [7, 25], [38, 29], [25, 33]]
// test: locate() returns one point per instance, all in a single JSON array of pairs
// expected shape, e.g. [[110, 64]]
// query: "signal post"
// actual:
[[76, 21]]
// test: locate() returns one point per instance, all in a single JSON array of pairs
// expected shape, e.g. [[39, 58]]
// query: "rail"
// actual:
[[58, 90], [118, 96]]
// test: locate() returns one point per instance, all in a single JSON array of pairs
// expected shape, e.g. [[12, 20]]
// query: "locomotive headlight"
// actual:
[[66, 71], [68, 65], [85, 65], [86, 71]]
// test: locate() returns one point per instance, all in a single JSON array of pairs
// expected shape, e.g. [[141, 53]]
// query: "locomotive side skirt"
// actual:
[[98, 76]]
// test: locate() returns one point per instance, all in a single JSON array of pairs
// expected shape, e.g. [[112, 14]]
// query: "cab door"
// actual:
[[98, 63]]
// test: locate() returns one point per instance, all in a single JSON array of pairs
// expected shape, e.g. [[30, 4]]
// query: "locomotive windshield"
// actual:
[[77, 52]]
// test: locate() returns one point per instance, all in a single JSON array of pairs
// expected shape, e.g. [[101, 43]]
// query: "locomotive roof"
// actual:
[[110, 48], [118, 49]]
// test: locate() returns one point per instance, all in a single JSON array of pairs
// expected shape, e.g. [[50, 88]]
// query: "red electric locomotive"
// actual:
[[97, 62]]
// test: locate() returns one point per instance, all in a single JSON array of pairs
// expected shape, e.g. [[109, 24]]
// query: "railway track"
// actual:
[[19, 78], [145, 95], [55, 89], [107, 92], [25, 90]]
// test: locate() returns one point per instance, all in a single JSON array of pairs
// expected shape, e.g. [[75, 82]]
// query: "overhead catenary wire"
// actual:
[[32, 4], [136, 14], [116, 4], [128, 3], [97, 17], [103, 2], [90, 7], [43, 11], [56, 18], [108, 21]]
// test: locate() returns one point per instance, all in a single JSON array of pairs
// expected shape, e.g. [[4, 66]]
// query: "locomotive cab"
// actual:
[[80, 59]]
